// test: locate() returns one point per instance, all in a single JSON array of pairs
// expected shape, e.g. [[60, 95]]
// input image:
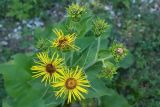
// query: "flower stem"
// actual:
[[45, 92], [71, 58], [98, 46]]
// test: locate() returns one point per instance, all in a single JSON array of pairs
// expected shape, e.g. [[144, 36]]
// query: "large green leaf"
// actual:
[[104, 54], [114, 100], [84, 26], [24, 90], [84, 42], [85, 45], [98, 87]]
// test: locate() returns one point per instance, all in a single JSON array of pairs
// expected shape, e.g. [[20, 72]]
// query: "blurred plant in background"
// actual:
[[21, 9]]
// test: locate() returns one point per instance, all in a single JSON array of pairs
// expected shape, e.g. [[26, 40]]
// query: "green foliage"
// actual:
[[27, 9], [3, 8], [121, 3], [119, 101], [19, 9], [24, 90]]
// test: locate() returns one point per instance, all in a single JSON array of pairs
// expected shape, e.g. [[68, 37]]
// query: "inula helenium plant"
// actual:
[[72, 64]]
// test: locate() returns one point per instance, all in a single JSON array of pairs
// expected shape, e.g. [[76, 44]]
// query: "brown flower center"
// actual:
[[71, 83], [62, 41], [120, 51], [50, 68]]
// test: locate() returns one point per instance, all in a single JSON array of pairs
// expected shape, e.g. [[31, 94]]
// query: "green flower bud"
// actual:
[[99, 26], [108, 71], [118, 51], [75, 12]]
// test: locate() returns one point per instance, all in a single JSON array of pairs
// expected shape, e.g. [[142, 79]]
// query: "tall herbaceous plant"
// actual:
[[72, 65]]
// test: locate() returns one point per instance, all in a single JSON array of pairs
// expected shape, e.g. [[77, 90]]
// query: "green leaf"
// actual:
[[87, 51], [21, 87], [79, 58], [23, 61], [5, 104], [87, 56], [84, 42], [114, 100], [45, 33], [104, 43], [127, 61], [91, 55], [98, 87], [84, 26], [104, 54]]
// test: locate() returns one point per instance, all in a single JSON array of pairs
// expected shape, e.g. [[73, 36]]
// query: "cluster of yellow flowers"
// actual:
[[70, 83]]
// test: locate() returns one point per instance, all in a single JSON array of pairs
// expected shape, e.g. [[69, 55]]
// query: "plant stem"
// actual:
[[84, 103], [63, 56], [71, 58], [110, 56], [96, 56], [45, 92], [102, 59], [98, 46]]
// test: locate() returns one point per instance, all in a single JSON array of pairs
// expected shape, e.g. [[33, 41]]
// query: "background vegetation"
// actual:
[[135, 23]]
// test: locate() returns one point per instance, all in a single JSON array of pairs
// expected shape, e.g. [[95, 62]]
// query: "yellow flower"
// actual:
[[71, 84], [47, 67], [64, 42]]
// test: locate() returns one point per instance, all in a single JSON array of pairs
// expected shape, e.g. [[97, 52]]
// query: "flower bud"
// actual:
[[108, 71], [99, 27], [75, 12], [118, 51]]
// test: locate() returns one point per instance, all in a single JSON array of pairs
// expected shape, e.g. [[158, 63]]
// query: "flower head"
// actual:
[[75, 12], [64, 42], [99, 26], [71, 84], [118, 51], [47, 67], [108, 71]]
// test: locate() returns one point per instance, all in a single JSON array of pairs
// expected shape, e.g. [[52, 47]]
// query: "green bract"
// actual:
[[118, 51], [75, 12], [99, 26], [108, 70]]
